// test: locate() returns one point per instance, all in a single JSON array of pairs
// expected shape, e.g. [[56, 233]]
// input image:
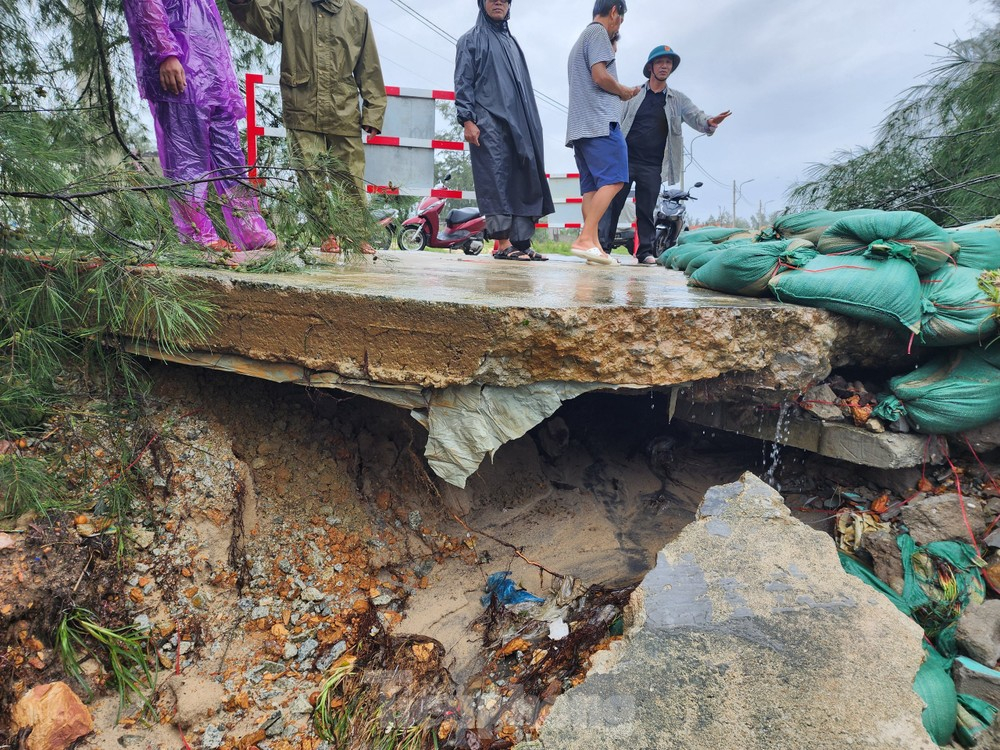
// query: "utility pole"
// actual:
[[734, 195]]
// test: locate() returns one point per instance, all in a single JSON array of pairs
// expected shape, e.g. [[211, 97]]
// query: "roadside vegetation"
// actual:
[[938, 148], [86, 240]]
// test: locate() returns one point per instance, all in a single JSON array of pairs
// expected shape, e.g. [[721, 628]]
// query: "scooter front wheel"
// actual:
[[412, 239], [662, 242]]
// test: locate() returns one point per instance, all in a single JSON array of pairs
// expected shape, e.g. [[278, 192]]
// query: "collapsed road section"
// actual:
[[480, 353]]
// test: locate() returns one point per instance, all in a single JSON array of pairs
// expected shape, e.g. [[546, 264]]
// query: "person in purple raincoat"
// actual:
[[185, 72]]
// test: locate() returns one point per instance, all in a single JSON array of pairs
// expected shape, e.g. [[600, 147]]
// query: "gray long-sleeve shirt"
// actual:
[[679, 109]]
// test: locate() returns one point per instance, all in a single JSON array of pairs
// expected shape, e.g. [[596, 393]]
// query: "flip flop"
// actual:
[[512, 253], [593, 255]]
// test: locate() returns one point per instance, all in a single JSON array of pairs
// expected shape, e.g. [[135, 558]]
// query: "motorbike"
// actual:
[[386, 218], [464, 227], [669, 217]]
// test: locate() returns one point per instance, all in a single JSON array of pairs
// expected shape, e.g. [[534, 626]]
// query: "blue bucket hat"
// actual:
[[662, 51]]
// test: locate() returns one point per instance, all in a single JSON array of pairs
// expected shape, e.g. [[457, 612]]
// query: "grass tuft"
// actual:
[[122, 651]]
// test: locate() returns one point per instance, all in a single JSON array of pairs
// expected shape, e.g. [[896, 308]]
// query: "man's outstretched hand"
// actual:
[[172, 77], [717, 120]]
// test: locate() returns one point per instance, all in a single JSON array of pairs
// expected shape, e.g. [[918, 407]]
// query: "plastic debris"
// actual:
[[558, 630], [506, 591]]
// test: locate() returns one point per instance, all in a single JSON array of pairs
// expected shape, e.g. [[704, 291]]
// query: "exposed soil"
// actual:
[[289, 532]]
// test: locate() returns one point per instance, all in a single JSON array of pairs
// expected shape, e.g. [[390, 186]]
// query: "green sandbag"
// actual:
[[686, 253], [723, 247], [713, 234], [807, 225], [746, 270], [933, 681], [886, 292], [899, 234], [960, 307], [936, 689], [978, 248], [953, 393], [699, 260]]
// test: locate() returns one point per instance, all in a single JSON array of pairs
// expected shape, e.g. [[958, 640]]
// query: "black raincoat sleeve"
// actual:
[[465, 76]]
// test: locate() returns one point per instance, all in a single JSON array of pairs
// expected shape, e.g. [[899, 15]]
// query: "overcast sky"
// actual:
[[804, 79]]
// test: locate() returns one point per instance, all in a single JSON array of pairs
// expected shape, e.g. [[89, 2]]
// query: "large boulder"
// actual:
[[57, 717], [749, 634]]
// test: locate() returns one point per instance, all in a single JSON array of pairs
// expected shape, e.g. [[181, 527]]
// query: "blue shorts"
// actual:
[[601, 161]]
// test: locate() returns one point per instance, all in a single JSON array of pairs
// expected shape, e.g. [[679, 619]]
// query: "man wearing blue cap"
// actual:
[[651, 123]]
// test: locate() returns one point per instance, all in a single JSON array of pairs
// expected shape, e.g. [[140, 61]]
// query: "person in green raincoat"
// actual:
[[328, 59]]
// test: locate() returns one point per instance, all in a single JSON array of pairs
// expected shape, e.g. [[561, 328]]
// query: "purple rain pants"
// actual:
[[203, 143]]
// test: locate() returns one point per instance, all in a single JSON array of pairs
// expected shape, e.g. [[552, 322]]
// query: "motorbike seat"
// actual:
[[461, 215]]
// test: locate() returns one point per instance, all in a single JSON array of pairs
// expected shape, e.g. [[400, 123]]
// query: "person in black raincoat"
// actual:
[[496, 106]]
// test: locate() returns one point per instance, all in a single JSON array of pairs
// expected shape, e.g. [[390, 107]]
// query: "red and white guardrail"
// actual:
[[256, 131]]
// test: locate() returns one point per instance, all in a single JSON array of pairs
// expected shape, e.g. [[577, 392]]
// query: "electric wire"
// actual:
[[541, 96]]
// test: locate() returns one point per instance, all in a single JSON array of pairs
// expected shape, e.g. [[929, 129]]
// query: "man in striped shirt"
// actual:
[[593, 128]]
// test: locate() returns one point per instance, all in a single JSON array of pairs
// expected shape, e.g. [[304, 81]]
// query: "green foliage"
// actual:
[[28, 486], [350, 715], [122, 651], [938, 149]]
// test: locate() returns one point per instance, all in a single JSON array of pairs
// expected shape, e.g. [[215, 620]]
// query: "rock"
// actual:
[[308, 648], [982, 439], [415, 520], [887, 560], [875, 425], [259, 613], [975, 679], [301, 706], [290, 652], [821, 401], [274, 725], [143, 537], [312, 594], [748, 634], [978, 632], [57, 717], [939, 518], [212, 739], [336, 651]]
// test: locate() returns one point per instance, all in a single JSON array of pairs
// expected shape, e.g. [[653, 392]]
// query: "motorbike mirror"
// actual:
[[699, 184]]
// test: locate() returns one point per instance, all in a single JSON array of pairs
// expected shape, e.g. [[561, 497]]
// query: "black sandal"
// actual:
[[534, 254], [512, 253]]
